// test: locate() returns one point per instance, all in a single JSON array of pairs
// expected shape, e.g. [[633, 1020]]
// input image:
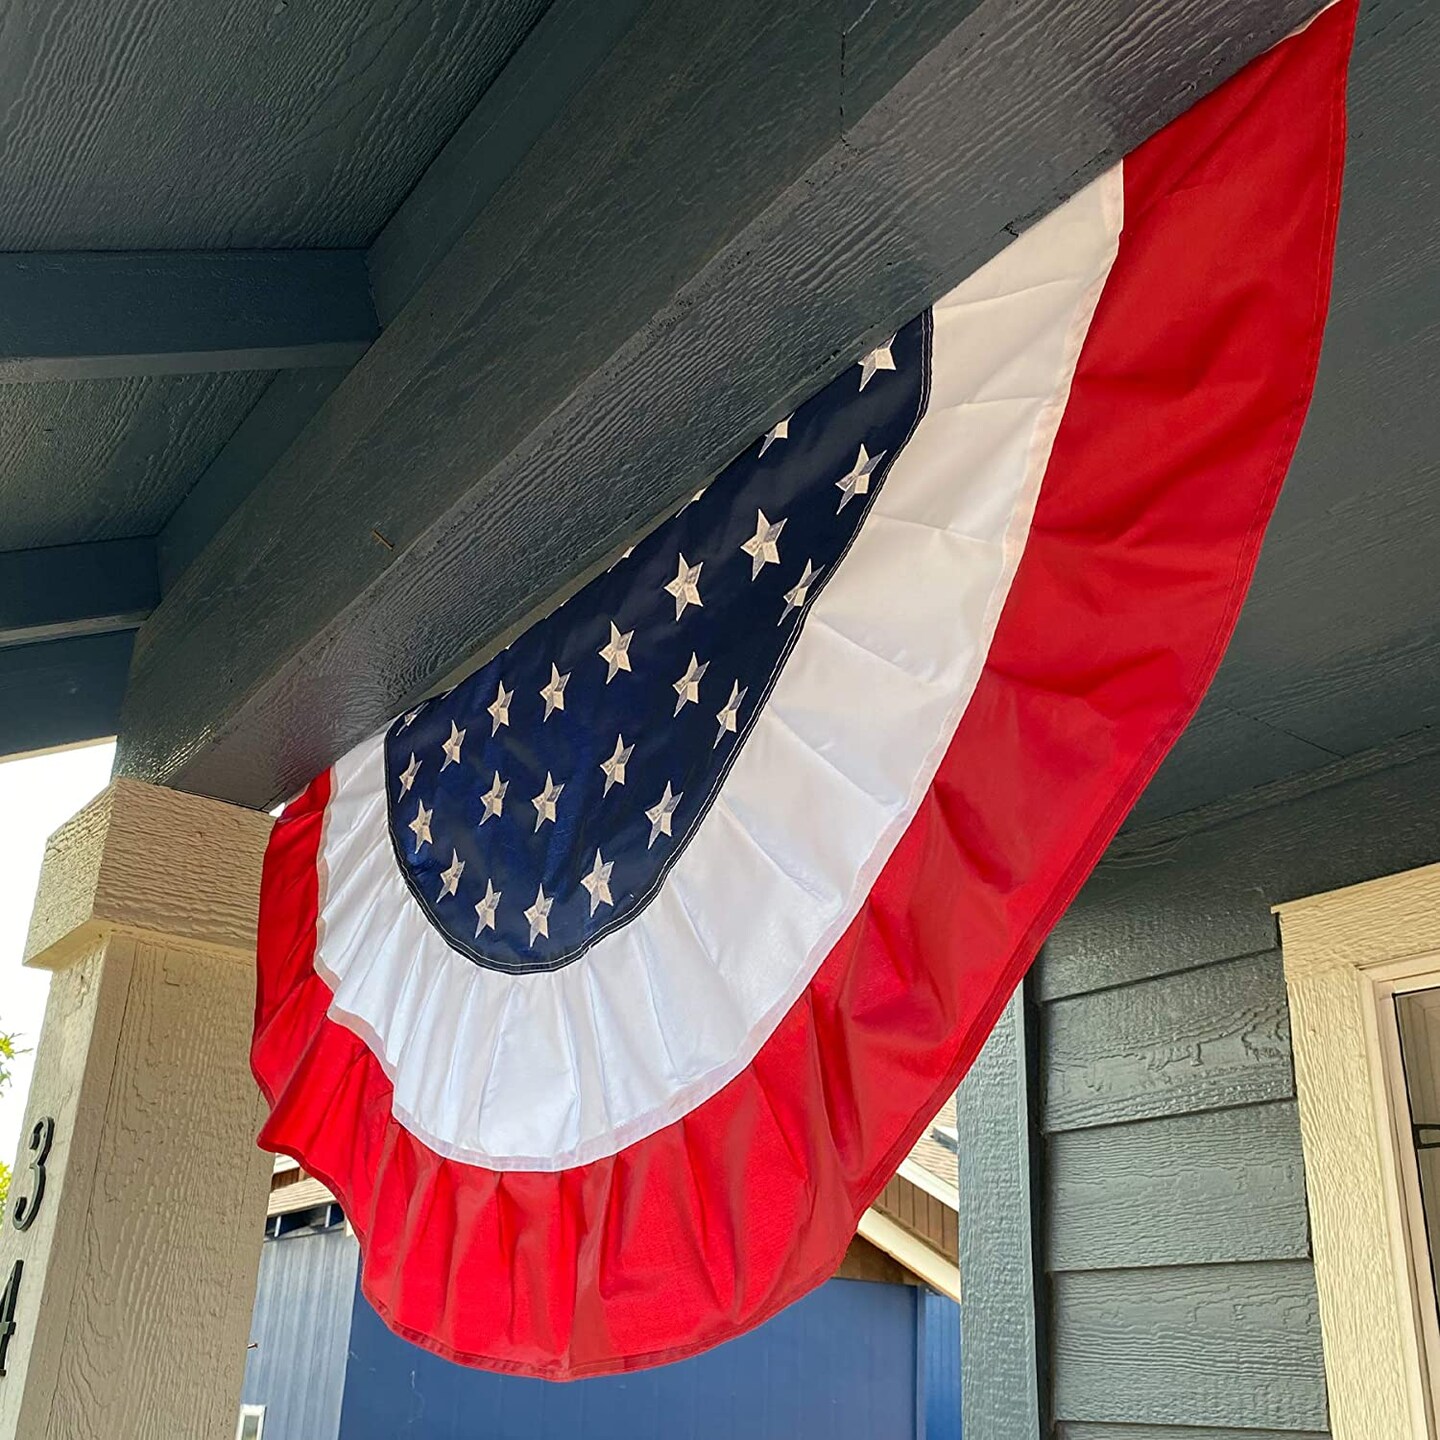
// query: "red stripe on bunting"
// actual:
[[1183, 416]]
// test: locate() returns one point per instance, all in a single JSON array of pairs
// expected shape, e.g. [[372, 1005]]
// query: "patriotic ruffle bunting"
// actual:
[[607, 989]]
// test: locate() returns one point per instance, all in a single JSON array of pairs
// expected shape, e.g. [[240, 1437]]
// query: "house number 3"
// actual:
[[23, 1210]]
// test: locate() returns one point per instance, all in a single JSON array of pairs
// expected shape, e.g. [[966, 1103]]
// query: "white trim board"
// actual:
[[1346, 953]]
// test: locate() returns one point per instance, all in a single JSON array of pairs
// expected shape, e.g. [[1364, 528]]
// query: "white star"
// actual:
[[485, 909], [617, 653], [539, 915], [879, 358], [408, 774], [728, 715], [451, 747], [614, 767], [499, 708], [780, 432], [544, 802], [762, 547], [659, 815], [494, 799], [409, 720], [597, 882], [685, 587], [421, 826], [796, 596], [553, 694], [450, 878], [687, 687], [857, 482]]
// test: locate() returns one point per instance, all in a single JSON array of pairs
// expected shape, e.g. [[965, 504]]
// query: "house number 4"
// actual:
[[23, 1210]]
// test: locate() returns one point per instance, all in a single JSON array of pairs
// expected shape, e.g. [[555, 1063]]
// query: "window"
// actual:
[[252, 1423]]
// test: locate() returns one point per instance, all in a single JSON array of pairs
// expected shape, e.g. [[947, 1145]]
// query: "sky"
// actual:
[[36, 796]]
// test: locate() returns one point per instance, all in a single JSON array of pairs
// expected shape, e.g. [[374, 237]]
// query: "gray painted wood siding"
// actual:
[[1224, 1182], [1174, 1432], [1173, 1233]]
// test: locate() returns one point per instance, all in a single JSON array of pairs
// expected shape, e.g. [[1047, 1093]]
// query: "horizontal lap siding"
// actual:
[[1196, 1041], [1174, 1228], [1229, 1345], [1173, 1232], [1083, 1431], [1201, 1189]]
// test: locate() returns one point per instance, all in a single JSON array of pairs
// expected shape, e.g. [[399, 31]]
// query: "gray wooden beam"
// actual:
[[97, 316], [738, 199], [62, 692], [569, 40], [1002, 1390], [280, 414], [71, 590]]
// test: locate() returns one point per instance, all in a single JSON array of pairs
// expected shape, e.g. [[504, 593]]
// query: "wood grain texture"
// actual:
[[266, 432], [1082, 1431], [62, 692], [560, 359], [151, 863], [97, 316], [136, 1301], [902, 1245], [143, 1063], [1216, 1345], [1176, 895], [1371, 1341], [107, 459], [84, 1014], [1208, 1038], [181, 1104], [1001, 1386], [1221, 752], [1372, 923], [71, 590], [864, 1261], [1336, 647], [1222, 1186], [303, 1192], [924, 1215], [566, 43], [138, 126]]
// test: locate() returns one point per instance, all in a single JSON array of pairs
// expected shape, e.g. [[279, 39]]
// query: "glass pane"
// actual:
[[250, 1424]]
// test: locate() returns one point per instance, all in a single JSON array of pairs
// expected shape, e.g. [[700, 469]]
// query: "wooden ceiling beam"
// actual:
[[91, 316], [70, 590], [63, 692], [736, 201]]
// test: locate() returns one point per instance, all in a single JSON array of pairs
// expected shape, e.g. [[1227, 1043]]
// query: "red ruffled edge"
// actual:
[[1183, 416]]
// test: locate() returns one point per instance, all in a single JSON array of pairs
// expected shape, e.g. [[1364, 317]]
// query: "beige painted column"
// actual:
[[132, 1308]]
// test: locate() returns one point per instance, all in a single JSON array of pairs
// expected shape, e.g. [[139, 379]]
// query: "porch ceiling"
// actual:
[[412, 181]]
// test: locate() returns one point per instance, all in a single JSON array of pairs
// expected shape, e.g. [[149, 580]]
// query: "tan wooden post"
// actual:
[[132, 1308]]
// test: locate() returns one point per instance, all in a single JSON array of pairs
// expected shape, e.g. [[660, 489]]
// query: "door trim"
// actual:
[[1346, 953]]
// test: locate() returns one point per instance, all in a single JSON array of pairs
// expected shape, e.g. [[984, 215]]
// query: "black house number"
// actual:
[[9, 1297], [23, 1210]]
